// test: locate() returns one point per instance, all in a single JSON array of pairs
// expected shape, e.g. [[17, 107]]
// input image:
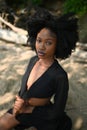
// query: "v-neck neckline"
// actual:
[[36, 81]]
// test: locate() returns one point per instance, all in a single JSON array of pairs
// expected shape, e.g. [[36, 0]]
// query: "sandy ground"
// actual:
[[13, 61]]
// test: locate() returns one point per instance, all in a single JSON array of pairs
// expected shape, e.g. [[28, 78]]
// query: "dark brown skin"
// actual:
[[45, 47]]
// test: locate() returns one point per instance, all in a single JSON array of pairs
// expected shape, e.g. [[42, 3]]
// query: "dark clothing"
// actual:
[[29, 120], [53, 82]]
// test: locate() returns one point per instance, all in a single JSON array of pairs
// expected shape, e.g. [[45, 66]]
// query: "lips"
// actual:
[[41, 53]]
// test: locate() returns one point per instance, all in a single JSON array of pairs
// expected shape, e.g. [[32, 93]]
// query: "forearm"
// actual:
[[29, 104], [37, 101]]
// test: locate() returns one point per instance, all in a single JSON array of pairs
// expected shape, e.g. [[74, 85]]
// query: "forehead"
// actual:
[[45, 32]]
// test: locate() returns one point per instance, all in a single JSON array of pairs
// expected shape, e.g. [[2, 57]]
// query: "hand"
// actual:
[[18, 105]]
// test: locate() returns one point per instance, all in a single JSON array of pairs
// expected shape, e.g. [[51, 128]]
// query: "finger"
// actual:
[[16, 108], [18, 104], [17, 97]]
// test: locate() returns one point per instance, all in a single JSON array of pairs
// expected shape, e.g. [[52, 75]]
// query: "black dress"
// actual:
[[53, 82]]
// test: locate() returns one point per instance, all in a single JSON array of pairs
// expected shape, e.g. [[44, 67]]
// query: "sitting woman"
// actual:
[[52, 38]]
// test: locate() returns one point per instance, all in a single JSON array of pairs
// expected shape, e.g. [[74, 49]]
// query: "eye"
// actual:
[[38, 40], [48, 43]]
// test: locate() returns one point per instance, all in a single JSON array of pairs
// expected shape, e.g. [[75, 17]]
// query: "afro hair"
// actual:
[[65, 28]]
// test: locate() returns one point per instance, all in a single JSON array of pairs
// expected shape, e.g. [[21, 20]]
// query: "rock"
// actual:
[[80, 54], [10, 36]]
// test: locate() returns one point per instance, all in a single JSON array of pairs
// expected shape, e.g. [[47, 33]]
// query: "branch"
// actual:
[[15, 29]]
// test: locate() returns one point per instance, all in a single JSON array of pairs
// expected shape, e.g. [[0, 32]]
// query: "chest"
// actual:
[[38, 82], [36, 73]]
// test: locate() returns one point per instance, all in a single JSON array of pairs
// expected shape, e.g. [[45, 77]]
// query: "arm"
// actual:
[[60, 98], [38, 101]]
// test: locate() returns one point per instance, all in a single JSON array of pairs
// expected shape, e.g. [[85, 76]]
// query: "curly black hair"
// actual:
[[65, 28]]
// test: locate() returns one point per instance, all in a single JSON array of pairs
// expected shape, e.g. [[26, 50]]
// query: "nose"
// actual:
[[42, 46]]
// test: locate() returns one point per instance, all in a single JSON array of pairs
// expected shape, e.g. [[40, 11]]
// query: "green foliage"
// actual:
[[37, 2], [22, 3], [77, 6]]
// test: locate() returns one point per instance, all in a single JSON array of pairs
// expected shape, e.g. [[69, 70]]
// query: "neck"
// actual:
[[46, 62]]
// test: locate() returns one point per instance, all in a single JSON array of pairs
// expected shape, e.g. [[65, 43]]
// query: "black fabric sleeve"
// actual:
[[56, 110]]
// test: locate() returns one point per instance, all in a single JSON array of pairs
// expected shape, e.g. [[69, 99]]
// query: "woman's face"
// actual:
[[46, 44]]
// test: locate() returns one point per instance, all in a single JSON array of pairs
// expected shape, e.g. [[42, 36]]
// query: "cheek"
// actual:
[[52, 49], [36, 45]]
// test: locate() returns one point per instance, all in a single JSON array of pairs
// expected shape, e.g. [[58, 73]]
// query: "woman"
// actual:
[[51, 38]]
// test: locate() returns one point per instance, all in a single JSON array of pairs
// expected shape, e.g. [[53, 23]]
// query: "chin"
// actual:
[[41, 57]]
